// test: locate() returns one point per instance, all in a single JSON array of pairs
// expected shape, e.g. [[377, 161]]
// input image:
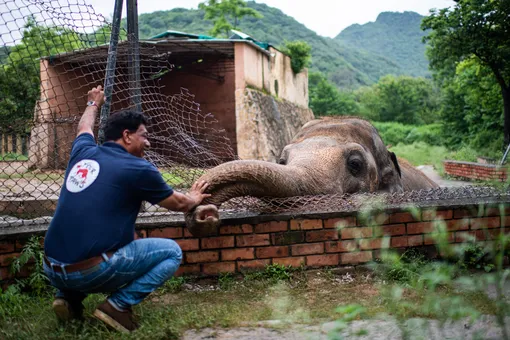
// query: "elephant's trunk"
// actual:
[[247, 178]]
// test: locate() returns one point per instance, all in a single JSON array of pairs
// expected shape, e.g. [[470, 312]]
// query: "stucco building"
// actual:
[[250, 100]]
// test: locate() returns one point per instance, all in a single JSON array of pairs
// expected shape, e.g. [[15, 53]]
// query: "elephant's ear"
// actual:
[[395, 162]]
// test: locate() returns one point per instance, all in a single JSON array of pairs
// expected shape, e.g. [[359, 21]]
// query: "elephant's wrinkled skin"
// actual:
[[328, 156]]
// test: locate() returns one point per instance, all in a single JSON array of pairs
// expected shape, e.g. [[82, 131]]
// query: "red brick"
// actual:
[[340, 246], [287, 238], [5, 274], [428, 239], [381, 218], [305, 224], [270, 252], [188, 269], [253, 264], [20, 244], [6, 247], [237, 254], [460, 236], [218, 242], [169, 232], [252, 240], [420, 227], [218, 268], [460, 213], [338, 223], [307, 249], [272, 227], [236, 229], [321, 235], [402, 218], [432, 214], [494, 211], [322, 260], [202, 256], [290, 261], [373, 243], [454, 225], [484, 222], [140, 233], [356, 257], [360, 232], [399, 242], [5, 260], [416, 240], [187, 233], [392, 230], [188, 244]]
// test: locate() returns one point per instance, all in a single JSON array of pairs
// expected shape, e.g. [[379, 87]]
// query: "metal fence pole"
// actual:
[[110, 68], [134, 55]]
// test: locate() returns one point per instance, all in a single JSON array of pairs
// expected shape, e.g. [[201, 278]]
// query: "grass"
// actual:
[[227, 301], [9, 157]]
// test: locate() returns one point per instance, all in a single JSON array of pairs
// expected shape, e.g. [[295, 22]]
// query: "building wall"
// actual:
[[270, 73], [215, 97], [265, 124]]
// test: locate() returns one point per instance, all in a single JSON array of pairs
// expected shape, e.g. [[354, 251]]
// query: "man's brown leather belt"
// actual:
[[82, 265]]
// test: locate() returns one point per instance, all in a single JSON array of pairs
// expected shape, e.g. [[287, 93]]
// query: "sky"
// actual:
[[325, 17]]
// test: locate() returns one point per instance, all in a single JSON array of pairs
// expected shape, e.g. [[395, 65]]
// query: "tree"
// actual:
[[401, 99], [299, 53], [226, 14], [478, 28], [327, 100], [20, 74]]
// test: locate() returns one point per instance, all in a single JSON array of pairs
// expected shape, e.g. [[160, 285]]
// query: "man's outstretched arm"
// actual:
[[186, 202], [94, 101]]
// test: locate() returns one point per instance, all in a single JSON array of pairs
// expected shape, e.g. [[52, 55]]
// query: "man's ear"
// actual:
[[126, 136], [395, 162]]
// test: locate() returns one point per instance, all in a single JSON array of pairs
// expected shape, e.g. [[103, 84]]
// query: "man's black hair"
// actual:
[[123, 120]]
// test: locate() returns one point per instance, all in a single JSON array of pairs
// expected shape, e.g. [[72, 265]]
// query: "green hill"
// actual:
[[397, 36], [346, 65]]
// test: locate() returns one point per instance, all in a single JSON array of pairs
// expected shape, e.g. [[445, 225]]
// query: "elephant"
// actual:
[[331, 155]]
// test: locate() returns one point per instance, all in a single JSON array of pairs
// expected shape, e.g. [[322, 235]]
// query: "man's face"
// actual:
[[138, 141]]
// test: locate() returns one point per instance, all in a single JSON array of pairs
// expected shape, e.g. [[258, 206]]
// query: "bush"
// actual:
[[395, 133], [300, 54]]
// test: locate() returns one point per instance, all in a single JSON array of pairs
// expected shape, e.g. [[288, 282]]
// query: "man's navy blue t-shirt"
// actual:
[[100, 199]]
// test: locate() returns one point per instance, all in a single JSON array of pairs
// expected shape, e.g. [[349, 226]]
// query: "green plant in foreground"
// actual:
[[37, 280], [272, 272], [173, 285]]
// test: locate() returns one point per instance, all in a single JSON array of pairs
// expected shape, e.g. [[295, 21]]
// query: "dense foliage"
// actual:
[[346, 66], [299, 52], [476, 34], [226, 14], [396, 36]]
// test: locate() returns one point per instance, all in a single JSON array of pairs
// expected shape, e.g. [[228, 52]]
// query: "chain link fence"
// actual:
[[51, 54]]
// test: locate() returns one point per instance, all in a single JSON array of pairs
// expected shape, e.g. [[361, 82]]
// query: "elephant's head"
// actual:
[[328, 156]]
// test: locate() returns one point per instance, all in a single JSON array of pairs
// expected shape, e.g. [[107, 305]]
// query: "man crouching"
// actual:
[[90, 246]]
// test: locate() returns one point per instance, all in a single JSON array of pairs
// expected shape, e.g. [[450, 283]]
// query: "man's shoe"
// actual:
[[121, 321], [66, 311]]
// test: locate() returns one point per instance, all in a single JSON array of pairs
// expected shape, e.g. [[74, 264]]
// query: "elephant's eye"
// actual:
[[355, 166]]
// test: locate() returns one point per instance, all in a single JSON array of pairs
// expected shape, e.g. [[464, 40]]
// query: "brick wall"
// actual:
[[475, 171], [313, 240]]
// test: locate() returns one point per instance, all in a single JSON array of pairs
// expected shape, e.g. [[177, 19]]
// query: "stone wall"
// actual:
[[313, 240], [266, 124], [476, 171]]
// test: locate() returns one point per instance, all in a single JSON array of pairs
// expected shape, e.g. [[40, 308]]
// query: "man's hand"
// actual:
[[197, 191], [186, 202], [86, 124], [96, 95]]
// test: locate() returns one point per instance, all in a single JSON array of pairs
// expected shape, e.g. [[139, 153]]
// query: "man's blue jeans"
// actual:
[[132, 273]]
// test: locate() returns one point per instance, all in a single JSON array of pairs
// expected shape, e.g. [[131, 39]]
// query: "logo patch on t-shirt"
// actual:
[[82, 175]]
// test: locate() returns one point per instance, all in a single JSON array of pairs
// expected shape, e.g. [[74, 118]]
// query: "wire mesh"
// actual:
[[53, 51]]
